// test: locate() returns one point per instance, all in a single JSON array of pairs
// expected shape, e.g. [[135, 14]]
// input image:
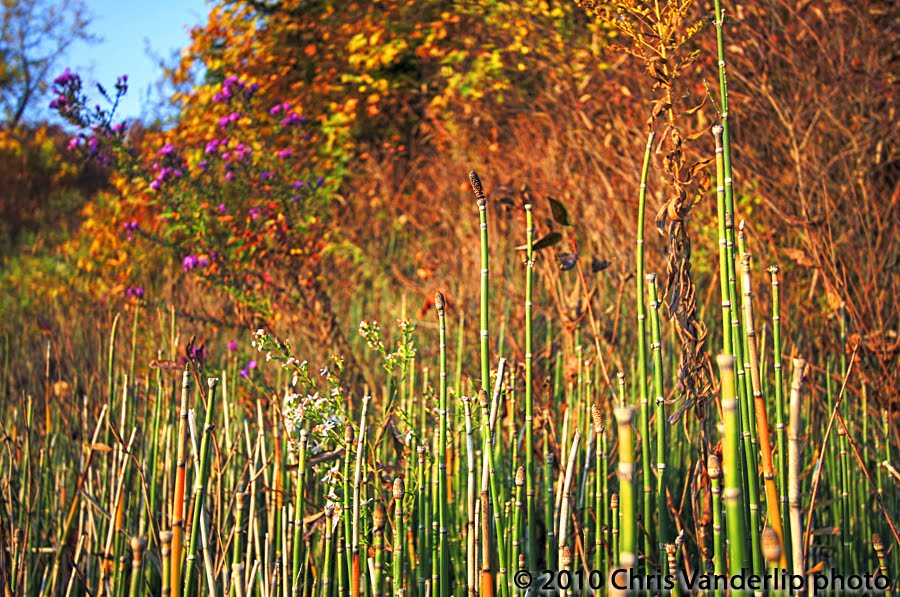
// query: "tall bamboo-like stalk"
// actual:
[[165, 540], [731, 456], [762, 422], [178, 501], [715, 480], [378, 518], [878, 545], [327, 548], [475, 182], [627, 543], [200, 481], [470, 501], [779, 410], [662, 445], [642, 344], [530, 514], [600, 497], [421, 518], [398, 490], [443, 506], [360, 450], [794, 468], [566, 498], [299, 494], [138, 545]]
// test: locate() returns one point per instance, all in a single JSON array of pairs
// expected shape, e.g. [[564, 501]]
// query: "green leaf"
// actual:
[[548, 241], [559, 211]]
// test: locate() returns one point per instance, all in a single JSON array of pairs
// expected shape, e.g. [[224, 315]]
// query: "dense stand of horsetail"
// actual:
[[433, 484]]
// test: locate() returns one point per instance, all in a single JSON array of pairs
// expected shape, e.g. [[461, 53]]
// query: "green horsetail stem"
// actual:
[[714, 471], [731, 457], [397, 555], [470, 499], [642, 345], [627, 543], [794, 469], [443, 506], [723, 243], [662, 445], [200, 481], [378, 519], [477, 187], [165, 540], [239, 532], [328, 539], [530, 514], [357, 474], [779, 411], [878, 545], [138, 545], [672, 567], [517, 512], [421, 518], [299, 493], [600, 512], [762, 422], [614, 509]]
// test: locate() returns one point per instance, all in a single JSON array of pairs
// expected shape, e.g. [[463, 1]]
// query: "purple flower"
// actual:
[[265, 175], [212, 146], [292, 118], [202, 261], [64, 78], [254, 213], [251, 365], [299, 184], [166, 149], [229, 176], [245, 373], [73, 143], [232, 346], [320, 181], [203, 164], [189, 263], [285, 153], [134, 292], [130, 227], [155, 184], [222, 209]]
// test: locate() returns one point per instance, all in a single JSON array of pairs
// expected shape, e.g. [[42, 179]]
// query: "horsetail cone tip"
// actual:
[[482, 397], [212, 382], [475, 181], [597, 417], [348, 434], [614, 500], [378, 517], [771, 546], [398, 487], [651, 278], [520, 476], [877, 544], [566, 556], [717, 131], [439, 300]]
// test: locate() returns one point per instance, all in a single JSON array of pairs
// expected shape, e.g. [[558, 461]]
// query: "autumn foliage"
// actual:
[[321, 152]]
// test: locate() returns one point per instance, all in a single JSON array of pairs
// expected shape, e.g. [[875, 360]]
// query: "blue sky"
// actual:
[[127, 30]]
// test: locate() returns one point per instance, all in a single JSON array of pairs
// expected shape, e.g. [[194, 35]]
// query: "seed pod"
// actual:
[[439, 300], [398, 488], [520, 476]]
